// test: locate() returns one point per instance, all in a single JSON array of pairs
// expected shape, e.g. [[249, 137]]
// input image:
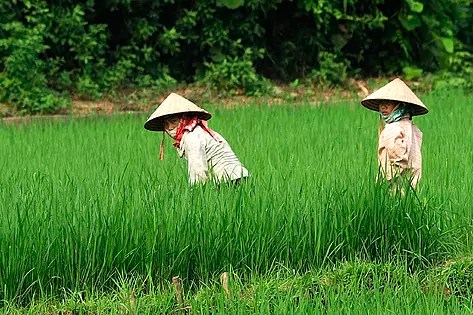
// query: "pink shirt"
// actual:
[[399, 150]]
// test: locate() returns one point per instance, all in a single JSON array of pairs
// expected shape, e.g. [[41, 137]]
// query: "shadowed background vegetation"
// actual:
[[51, 50]]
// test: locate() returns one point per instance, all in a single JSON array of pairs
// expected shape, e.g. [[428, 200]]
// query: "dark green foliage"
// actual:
[[459, 72], [235, 72], [91, 47], [331, 70], [458, 277], [23, 80], [365, 275]]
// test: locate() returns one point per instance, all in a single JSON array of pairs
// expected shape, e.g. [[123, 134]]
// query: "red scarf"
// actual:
[[188, 124]]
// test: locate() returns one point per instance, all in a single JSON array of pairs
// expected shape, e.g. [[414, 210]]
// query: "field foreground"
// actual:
[[93, 222]]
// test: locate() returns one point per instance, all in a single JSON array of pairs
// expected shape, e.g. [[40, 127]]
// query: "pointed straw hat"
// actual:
[[396, 90], [174, 104]]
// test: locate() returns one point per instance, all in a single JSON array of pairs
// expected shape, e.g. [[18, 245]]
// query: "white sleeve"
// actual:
[[194, 150]]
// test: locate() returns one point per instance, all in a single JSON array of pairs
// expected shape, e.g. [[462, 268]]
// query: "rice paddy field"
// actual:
[[93, 223]]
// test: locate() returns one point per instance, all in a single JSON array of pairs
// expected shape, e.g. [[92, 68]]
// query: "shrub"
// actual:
[[95, 47], [233, 73], [458, 277], [23, 79]]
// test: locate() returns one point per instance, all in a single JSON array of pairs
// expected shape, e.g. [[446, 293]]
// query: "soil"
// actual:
[[146, 100]]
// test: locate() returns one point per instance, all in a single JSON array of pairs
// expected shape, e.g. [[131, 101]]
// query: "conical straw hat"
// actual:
[[396, 90], [174, 104]]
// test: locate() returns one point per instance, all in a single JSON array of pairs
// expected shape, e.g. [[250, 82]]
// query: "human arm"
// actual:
[[393, 152], [397, 147], [194, 150]]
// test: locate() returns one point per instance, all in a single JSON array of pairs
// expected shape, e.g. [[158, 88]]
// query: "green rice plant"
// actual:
[[455, 278], [283, 292], [86, 202]]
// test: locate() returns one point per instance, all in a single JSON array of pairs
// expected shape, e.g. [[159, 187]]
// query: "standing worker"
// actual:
[[209, 156], [400, 141]]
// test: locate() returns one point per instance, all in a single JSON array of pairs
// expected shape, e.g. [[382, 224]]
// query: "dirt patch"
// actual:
[[146, 100]]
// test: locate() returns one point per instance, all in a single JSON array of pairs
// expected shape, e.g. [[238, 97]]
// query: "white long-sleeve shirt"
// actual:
[[399, 150], [208, 158]]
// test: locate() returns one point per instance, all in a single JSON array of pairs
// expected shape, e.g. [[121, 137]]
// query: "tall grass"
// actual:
[[84, 201], [348, 288]]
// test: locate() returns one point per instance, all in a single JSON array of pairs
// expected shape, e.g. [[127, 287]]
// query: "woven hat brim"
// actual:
[[174, 104], [157, 124], [415, 109], [396, 91]]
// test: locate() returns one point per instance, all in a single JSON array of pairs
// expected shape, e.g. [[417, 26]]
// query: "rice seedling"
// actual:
[[86, 201]]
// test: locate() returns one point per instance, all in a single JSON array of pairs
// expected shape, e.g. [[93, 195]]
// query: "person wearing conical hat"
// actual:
[[208, 154], [400, 141]]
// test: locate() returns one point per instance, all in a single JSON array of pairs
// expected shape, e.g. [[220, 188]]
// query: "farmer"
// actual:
[[400, 141], [209, 157]]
